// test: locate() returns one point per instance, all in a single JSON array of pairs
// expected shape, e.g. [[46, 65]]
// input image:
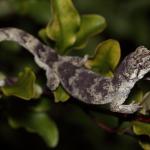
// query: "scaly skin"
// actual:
[[80, 82]]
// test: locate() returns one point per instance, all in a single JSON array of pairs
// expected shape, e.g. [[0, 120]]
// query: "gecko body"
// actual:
[[80, 82]]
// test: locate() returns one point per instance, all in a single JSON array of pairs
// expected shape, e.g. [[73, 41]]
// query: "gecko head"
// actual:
[[138, 63]]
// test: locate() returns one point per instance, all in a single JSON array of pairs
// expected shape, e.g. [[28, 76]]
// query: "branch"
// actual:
[[121, 116]]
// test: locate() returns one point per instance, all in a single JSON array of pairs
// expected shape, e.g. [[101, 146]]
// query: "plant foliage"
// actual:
[[67, 31]]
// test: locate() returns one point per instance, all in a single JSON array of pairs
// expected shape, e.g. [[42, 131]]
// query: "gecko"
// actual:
[[81, 82]]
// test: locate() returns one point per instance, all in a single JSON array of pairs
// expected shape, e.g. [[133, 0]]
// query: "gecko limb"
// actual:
[[127, 109], [52, 79]]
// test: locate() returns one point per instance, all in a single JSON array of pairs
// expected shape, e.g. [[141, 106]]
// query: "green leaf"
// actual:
[[64, 24], [144, 145], [25, 88], [136, 95], [2, 76], [106, 58], [42, 34], [141, 128], [37, 122], [41, 105], [146, 104], [37, 91], [61, 95], [36, 9], [2, 79], [90, 26]]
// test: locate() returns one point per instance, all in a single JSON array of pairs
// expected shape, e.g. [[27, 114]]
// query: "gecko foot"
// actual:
[[52, 80], [127, 109]]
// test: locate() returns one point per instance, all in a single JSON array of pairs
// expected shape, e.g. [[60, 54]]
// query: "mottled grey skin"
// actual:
[[84, 84], [80, 82], [132, 69], [92, 88]]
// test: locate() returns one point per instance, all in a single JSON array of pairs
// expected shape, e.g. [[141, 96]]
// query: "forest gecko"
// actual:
[[80, 82]]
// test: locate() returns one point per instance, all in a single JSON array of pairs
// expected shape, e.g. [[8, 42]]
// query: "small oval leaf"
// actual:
[[25, 87], [61, 95], [64, 25], [145, 145], [43, 35], [135, 95], [37, 122], [141, 128], [42, 105], [146, 104], [2, 79], [106, 58], [90, 26]]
